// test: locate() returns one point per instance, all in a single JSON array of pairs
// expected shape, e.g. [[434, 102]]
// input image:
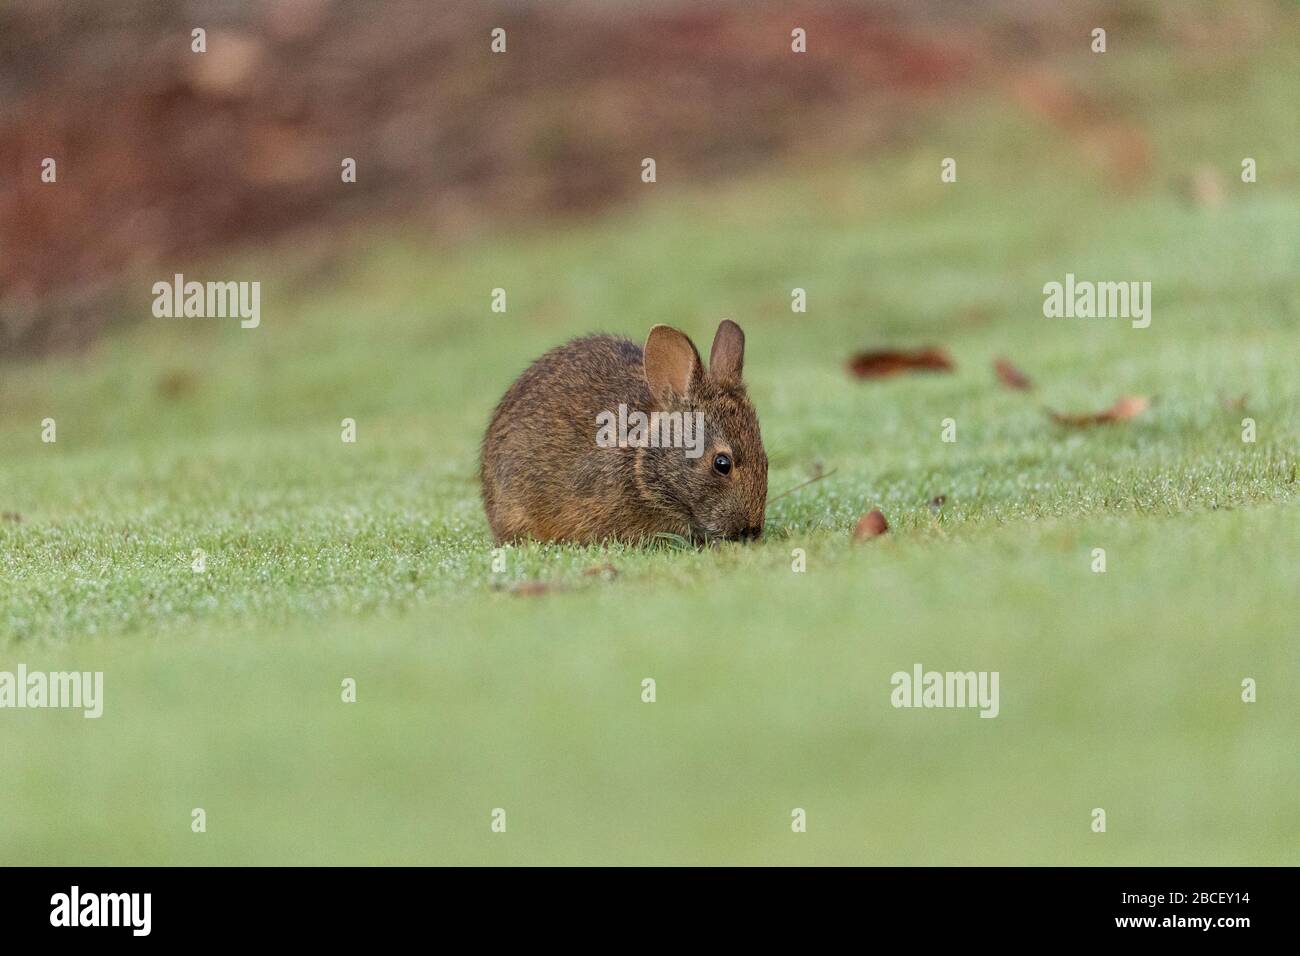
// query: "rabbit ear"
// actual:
[[727, 357], [671, 362]]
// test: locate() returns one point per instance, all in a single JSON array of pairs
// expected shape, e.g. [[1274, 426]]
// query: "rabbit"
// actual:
[[545, 476]]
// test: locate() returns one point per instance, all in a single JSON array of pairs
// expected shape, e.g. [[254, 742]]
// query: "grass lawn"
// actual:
[[326, 560]]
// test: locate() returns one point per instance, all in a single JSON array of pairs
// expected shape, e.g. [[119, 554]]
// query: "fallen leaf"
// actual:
[[12, 516], [606, 571], [1124, 409], [883, 363], [870, 525], [937, 502], [1237, 404], [1011, 376]]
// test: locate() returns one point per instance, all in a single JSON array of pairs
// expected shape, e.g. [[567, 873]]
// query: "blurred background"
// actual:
[[164, 153]]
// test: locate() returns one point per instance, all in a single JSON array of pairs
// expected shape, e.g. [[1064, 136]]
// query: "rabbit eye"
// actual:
[[722, 464]]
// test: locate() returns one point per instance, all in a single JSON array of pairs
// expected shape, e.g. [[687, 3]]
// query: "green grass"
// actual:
[[373, 561]]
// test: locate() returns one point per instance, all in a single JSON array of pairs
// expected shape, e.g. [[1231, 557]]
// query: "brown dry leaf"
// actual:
[[1124, 409], [11, 516], [605, 570], [1011, 376], [1237, 404], [882, 363], [937, 502], [870, 525]]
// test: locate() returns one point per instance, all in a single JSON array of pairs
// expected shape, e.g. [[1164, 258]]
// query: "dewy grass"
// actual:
[[325, 561]]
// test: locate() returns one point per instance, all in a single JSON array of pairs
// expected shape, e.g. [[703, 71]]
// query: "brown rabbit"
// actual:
[[546, 477]]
